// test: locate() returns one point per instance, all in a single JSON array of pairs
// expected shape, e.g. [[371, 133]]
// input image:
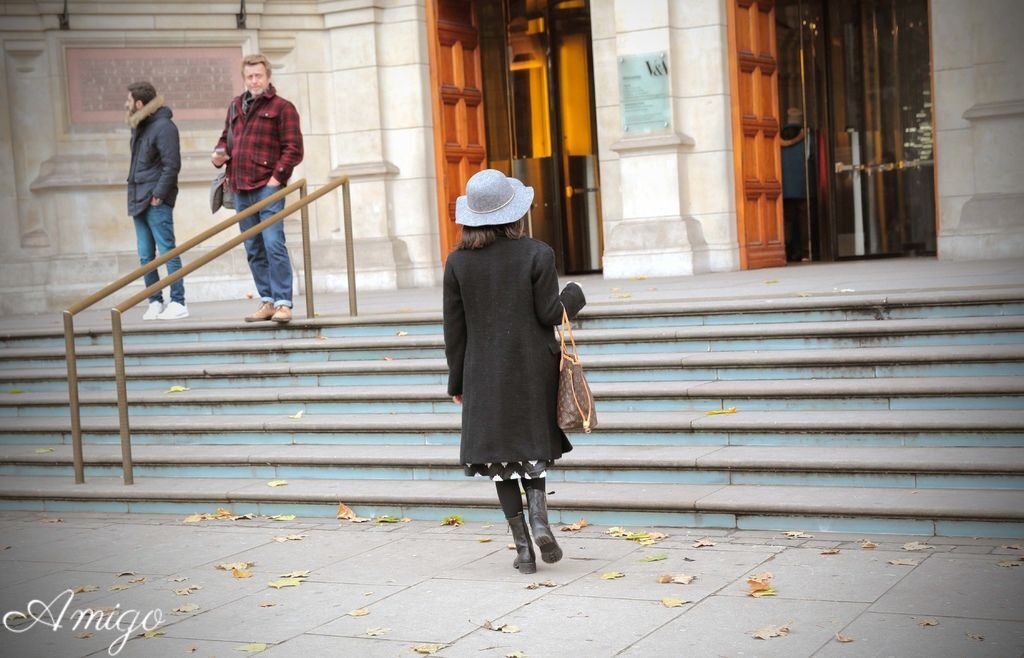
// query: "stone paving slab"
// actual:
[[424, 583]]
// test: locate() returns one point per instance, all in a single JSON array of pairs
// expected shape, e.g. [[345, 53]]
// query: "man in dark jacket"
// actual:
[[266, 145], [152, 191]]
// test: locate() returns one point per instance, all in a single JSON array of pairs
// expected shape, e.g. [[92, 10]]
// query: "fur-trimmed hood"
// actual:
[[147, 111]]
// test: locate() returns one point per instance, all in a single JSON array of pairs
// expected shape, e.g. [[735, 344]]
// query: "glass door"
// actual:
[[538, 99], [880, 105]]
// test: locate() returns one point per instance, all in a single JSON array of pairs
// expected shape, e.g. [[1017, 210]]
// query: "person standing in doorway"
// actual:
[[152, 191], [266, 147], [794, 184], [500, 303]]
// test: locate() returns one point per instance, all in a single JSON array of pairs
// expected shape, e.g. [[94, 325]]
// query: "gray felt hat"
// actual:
[[492, 199]]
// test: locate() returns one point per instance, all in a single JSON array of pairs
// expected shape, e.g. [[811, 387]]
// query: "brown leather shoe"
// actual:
[[264, 312], [282, 315]]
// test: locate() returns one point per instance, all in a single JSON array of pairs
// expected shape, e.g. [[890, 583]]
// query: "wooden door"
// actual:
[[755, 124], [458, 106]]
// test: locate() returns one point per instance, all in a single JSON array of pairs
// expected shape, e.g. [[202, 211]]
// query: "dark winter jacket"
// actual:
[[500, 304], [156, 157]]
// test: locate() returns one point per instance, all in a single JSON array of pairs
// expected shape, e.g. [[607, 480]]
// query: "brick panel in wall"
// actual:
[[196, 83]]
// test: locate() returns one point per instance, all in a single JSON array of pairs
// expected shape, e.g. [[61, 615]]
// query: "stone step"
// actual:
[[749, 395], [908, 467], [761, 309], [968, 428], [949, 512], [718, 338], [967, 360]]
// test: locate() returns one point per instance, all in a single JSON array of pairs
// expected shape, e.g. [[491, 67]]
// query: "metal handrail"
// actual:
[[116, 329]]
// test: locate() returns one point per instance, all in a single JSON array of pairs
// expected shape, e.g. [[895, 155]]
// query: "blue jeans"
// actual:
[[154, 229], [269, 262]]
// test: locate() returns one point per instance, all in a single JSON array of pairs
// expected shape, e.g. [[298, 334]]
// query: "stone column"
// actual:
[[29, 108], [979, 111], [667, 195]]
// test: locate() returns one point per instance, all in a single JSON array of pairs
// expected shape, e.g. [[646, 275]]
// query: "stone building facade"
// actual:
[[359, 72]]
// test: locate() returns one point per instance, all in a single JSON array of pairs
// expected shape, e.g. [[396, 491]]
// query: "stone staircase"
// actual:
[[902, 414]]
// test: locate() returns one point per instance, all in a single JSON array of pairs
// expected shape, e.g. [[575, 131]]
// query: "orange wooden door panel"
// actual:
[[458, 107], [758, 169]]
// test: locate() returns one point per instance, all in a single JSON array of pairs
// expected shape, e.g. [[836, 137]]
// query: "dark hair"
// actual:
[[478, 237], [142, 91]]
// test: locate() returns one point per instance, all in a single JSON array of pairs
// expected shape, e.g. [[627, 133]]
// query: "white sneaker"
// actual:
[[174, 311], [154, 311]]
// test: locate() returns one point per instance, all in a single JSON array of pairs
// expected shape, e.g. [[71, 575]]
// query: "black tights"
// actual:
[[509, 496]]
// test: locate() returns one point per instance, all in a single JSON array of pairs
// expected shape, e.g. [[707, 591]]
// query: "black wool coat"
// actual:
[[500, 304]]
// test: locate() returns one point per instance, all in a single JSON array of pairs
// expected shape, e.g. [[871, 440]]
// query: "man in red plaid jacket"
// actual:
[[265, 145]]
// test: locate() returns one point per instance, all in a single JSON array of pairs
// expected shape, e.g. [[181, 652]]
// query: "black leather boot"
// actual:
[[525, 560], [537, 501]]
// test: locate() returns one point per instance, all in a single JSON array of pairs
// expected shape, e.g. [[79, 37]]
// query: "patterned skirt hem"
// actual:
[[499, 471]]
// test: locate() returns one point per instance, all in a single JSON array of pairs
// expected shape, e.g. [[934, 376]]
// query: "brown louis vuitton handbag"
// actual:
[[575, 401]]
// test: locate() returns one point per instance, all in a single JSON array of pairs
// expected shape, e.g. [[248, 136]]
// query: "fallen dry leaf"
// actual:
[[298, 414], [377, 632], [284, 538], [149, 635], [700, 543], [241, 573], [267, 604], [797, 534], [916, 546], [830, 551], [454, 519], [253, 647], [401, 333], [361, 519], [84, 636], [386, 518], [405, 519], [284, 582], [177, 389], [429, 649], [546, 583], [360, 612], [673, 603], [177, 579], [843, 638], [718, 412], [504, 628], [1009, 563], [868, 544], [905, 562], [185, 591], [928, 621], [233, 566], [86, 588], [579, 525], [1013, 547], [612, 575], [42, 451], [975, 636], [277, 483], [283, 517], [187, 608], [120, 587], [678, 579], [761, 584], [345, 512], [654, 558], [485, 540], [295, 574], [771, 631]]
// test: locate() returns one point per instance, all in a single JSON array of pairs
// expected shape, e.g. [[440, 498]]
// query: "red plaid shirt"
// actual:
[[266, 141]]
